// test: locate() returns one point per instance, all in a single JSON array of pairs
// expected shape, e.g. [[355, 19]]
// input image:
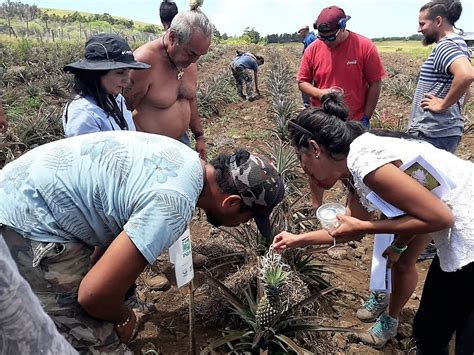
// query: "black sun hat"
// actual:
[[106, 51]]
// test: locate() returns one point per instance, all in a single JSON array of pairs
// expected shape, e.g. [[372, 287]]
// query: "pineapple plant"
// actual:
[[273, 278], [280, 85]]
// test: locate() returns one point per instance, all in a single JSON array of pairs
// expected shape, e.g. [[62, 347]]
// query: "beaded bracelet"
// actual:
[[396, 249], [121, 325]]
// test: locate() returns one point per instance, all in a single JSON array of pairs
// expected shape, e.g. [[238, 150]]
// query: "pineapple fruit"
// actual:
[[273, 277]]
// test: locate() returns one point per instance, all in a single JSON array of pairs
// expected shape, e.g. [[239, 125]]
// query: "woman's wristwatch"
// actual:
[[396, 249]]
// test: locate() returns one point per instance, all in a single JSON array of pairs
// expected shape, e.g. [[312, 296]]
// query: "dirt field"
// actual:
[[246, 124]]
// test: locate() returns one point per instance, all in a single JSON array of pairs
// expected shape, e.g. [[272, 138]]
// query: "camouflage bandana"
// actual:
[[260, 186]]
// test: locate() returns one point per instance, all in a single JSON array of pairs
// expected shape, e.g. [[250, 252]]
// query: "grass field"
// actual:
[[407, 47]]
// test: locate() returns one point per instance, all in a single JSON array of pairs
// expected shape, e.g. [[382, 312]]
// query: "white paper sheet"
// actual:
[[180, 254], [381, 276], [423, 171]]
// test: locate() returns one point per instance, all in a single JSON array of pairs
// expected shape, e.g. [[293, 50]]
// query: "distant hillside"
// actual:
[[18, 20]]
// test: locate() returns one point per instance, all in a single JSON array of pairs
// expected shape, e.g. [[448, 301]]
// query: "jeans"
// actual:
[[185, 139], [365, 122], [448, 144]]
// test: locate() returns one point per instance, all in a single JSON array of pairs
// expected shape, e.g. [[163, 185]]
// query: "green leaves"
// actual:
[[276, 339]]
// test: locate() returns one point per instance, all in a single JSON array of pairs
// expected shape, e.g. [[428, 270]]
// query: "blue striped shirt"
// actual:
[[436, 79]]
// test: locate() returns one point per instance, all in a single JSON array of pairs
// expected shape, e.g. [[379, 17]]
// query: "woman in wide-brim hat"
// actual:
[[96, 103]]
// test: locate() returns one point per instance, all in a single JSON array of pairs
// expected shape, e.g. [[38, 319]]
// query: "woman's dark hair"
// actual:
[[87, 83], [448, 9], [328, 126], [223, 175], [168, 11]]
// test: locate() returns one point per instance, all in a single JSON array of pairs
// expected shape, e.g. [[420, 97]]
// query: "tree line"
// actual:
[[88, 24], [46, 24]]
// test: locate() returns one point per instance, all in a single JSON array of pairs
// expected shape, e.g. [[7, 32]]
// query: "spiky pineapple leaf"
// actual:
[[243, 311], [292, 345], [232, 336], [316, 327], [252, 302], [310, 299]]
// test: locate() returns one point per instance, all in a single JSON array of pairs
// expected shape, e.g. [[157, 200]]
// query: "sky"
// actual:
[[371, 18]]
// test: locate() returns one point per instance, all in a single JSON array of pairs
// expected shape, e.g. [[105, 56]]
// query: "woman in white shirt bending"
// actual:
[[330, 148]]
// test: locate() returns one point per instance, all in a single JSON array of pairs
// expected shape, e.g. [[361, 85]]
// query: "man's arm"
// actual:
[[138, 88], [312, 90], [373, 94], [305, 76], [467, 97], [102, 290], [198, 131], [461, 69], [3, 120], [255, 76]]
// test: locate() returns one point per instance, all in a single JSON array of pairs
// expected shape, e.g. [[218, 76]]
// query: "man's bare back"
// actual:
[[162, 103]]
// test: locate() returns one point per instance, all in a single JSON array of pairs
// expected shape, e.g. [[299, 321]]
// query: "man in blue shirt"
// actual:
[[132, 194], [242, 66], [307, 38]]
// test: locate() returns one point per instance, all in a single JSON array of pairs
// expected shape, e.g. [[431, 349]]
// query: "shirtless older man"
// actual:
[[163, 98]]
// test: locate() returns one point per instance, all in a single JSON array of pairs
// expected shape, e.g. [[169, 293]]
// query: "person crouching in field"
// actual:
[[330, 148], [131, 193], [242, 66], [96, 103]]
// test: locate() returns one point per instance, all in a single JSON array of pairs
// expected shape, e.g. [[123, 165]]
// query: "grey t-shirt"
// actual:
[[435, 78], [24, 327]]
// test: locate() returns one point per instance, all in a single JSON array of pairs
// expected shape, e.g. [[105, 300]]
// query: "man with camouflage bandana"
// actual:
[[134, 195]]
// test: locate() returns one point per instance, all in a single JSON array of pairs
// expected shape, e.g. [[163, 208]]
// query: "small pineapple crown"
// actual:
[[273, 270], [195, 4]]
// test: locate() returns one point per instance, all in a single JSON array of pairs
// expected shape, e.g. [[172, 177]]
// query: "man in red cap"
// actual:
[[345, 61]]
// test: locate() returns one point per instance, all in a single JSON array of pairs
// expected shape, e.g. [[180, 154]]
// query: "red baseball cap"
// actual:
[[328, 19]]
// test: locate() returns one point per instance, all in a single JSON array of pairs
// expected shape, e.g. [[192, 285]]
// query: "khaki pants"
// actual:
[[54, 272]]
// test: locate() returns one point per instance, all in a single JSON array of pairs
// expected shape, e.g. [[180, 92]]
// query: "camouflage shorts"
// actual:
[[54, 272], [241, 76]]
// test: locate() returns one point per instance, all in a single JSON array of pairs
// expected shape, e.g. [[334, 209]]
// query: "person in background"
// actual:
[[442, 92], [96, 103], [242, 66], [330, 148], [344, 61], [445, 77], [163, 99], [307, 38], [131, 193], [168, 10]]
